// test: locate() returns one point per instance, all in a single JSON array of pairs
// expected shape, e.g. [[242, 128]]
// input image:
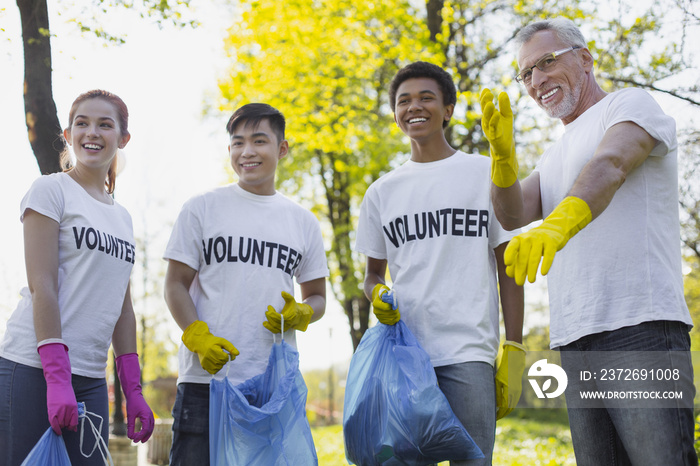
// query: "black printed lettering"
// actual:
[[409, 236], [219, 253], [270, 248], [391, 236], [282, 256], [231, 257], [471, 221], [296, 264], [206, 249], [484, 222], [100, 246], [129, 253], [91, 238], [258, 252], [115, 247], [108, 243], [445, 213], [457, 220], [244, 256], [433, 225], [99, 241], [421, 234], [78, 237], [400, 229], [290, 261]]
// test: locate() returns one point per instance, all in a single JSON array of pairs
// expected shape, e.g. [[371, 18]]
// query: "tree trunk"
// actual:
[[348, 289], [434, 10], [43, 127]]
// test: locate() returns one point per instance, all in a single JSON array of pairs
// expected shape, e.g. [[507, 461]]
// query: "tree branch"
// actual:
[[651, 87]]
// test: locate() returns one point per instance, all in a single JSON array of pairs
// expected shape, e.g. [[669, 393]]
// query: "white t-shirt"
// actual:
[[624, 268], [246, 250], [95, 256], [435, 226]]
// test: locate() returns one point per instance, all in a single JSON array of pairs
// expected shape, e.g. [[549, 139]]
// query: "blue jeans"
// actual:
[[190, 425], [470, 388], [24, 416], [606, 435]]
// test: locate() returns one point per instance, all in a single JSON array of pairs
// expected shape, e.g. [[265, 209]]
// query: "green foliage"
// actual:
[[530, 442], [330, 447], [519, 442], [691, 286], [697, 435], [326, 394], [91, 19]]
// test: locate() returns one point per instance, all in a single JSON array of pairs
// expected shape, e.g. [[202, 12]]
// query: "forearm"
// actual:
[[181, 306], [375, 271], [318, 304], [124, 335], [597, 184], [624, 147], [47, 316], [371, 280], [508, 205], [512, 300], [313, 294], [519, 204], [41, 262]]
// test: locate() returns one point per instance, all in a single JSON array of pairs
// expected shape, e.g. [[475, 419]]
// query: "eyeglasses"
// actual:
[[545, 64]]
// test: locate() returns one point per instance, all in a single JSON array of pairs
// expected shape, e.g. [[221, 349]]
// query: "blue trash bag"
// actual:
[[262, 420], [50, 450], [394, 412]]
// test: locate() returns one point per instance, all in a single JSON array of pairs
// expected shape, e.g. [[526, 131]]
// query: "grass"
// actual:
[[519, 442]]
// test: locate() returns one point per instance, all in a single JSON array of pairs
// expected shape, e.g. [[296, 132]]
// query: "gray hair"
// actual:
[[564, 28]]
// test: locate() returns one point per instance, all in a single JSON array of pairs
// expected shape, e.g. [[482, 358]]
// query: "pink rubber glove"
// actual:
[[129, 373], [60, 397]]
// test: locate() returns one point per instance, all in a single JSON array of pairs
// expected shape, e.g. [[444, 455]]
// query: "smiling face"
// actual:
[[95, 135], [255, 152], [561, 91], [420, 110]]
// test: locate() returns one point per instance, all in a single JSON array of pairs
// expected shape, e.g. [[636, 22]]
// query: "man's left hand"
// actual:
[[296, 315], [524, 252]]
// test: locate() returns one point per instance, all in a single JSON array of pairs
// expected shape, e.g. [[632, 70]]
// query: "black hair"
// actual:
[[253, 114], [421, 69]]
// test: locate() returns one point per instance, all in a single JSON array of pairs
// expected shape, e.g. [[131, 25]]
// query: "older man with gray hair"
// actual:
[[608, 191]]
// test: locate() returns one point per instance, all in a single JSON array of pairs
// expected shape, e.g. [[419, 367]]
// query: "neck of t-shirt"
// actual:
[[426, 153]]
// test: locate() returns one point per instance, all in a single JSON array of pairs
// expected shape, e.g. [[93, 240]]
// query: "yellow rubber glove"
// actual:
[[214, 352], [523, 253], [384, 312], [510, 366], [498, 129], [296, 315]]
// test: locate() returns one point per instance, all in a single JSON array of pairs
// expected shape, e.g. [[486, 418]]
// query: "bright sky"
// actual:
[[174, 153]]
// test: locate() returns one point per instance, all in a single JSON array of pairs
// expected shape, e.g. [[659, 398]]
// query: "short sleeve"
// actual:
[[639, 107], [314, 263], [370, 240], [183, 245], [45, 196], [499, 235]]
